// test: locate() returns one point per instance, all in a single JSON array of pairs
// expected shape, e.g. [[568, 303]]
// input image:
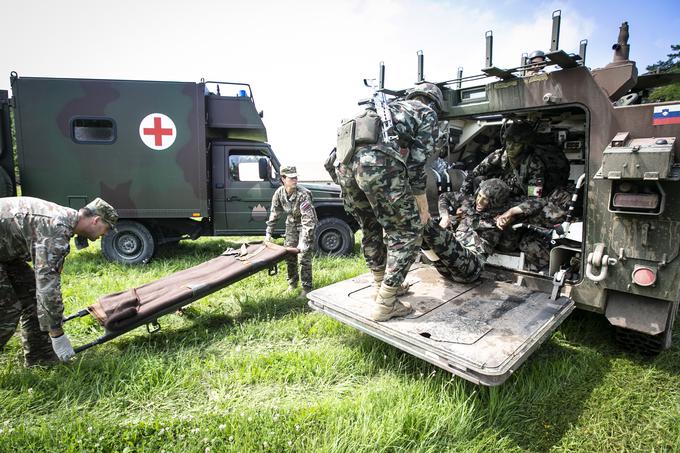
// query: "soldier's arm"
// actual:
[[274, 213], [447, 203], [421, 149], [308, 217], [49, 252]]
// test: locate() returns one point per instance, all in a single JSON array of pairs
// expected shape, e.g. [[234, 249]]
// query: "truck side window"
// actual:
[[93, 130], [245, 167]]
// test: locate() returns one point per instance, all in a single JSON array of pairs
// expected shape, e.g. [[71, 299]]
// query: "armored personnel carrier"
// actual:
[[617, 254]]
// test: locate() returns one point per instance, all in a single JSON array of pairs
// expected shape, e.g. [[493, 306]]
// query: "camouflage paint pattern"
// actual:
[[18, 306], [301, 223], [38, 231]]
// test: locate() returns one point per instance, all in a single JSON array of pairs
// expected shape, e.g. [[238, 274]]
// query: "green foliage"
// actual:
[[252, 368], [671, 64]]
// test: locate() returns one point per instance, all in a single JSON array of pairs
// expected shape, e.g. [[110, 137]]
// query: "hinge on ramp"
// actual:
[[558, 283]]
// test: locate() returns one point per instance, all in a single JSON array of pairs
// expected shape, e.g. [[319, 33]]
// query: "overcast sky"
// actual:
[[305, 60]]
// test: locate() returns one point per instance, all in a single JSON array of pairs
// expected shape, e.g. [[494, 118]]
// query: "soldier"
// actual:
[[297, 203], [461, 254], [537, 60], [39, 231], [516, 164], [384, 189]]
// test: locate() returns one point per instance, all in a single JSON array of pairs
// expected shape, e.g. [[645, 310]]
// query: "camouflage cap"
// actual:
[[495, 190], [430, 91], [104, 210], [289, 171]]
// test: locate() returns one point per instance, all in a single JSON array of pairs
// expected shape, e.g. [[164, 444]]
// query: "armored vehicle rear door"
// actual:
[[6, 157], [482, 331]]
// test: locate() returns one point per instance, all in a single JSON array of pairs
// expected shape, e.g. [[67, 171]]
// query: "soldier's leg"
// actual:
[[36, 343], [356, 203], [291, 240], [394, 205], [306, 268], [455, 261], [536, 250], [10, 307]]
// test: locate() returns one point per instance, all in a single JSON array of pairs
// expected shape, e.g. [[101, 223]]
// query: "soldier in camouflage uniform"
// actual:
[[460, 254], [39, 231], [516, 164], [296, 201], [384, 189]]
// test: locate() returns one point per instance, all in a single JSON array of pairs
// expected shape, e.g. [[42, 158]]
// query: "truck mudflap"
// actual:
[[121, 312], [481, 331]]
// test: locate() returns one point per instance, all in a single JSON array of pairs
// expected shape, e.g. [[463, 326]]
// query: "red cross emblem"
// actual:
[[157, 131]]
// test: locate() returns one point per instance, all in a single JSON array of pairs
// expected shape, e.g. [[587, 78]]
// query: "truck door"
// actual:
[[6, 156], [249, 189], [482, 331]]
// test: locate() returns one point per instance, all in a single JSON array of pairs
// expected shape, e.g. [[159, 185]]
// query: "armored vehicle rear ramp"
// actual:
[[121, 312], [481, 331]]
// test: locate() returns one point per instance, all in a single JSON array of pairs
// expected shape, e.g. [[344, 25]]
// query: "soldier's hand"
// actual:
[[62, 347], [445, 222], [504, 220]]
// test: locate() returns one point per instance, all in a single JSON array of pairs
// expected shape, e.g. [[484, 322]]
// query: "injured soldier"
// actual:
[[460, 255]]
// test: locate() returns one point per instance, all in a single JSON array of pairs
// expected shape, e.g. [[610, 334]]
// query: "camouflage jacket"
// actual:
[[477, 231], [530, 174], [299, 208], [416, 125], [39, 231]]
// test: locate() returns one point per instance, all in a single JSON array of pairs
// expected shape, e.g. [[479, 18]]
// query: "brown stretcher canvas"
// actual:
[[140, 305]]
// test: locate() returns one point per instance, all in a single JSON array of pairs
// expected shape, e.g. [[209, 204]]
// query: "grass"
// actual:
[[251, 368]]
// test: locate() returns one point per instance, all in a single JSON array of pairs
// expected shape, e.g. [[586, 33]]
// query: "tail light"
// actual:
[[644, 276]]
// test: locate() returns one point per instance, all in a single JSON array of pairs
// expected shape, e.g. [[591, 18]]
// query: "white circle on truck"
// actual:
[[157, 131]]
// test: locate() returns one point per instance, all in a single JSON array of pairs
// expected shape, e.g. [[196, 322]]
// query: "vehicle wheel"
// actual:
[[133, 243], [642, 343], [6, 188], [334, 237]]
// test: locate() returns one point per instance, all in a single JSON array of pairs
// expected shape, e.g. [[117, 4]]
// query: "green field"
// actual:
[[251, 368]]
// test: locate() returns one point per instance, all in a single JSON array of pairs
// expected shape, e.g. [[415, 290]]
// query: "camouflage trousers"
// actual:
[[304, 259], [455, 261], [376, 192], [18, 306]]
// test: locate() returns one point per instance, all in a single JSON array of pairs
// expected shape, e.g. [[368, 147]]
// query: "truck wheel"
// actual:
[[641, 343], [334, 237], [6, 189], [133, 243]]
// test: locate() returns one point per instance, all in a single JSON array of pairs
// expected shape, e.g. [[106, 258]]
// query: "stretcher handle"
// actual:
[[78, 314]]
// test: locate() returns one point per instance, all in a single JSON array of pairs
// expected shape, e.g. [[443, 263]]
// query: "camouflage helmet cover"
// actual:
[[104, 210], [495, 190], [430, 91], [289, 171]]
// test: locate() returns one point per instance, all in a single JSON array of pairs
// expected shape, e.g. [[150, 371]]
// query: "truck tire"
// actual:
[[334, 237], [6, 188], [132, 243]]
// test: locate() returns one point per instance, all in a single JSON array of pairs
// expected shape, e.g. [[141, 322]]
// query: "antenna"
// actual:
[[421, 64], [582, 50], [381, 76], [460, 77], [555, 39], [489, 48]]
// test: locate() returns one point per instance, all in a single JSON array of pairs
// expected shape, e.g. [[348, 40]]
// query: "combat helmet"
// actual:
[[536, 54], [520, 132], [494, 190], [430, 91]]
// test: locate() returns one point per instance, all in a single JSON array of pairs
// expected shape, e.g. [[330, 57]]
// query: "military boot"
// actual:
[[379, 276], [387, 306], [38, 349]]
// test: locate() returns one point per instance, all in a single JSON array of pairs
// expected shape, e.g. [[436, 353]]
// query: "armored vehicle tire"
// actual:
[[132, 243], [641, 343], [334, 237], [6, 189]]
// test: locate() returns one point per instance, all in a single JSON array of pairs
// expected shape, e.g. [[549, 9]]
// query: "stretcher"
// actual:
[[119, 313]]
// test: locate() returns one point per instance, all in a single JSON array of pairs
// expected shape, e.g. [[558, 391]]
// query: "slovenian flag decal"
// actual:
[[666, 114]]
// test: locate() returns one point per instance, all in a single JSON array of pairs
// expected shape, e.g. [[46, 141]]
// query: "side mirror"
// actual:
[[263, 167]]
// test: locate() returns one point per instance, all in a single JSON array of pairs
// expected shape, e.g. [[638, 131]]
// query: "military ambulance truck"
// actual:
[[177, 160], [618, 253]]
